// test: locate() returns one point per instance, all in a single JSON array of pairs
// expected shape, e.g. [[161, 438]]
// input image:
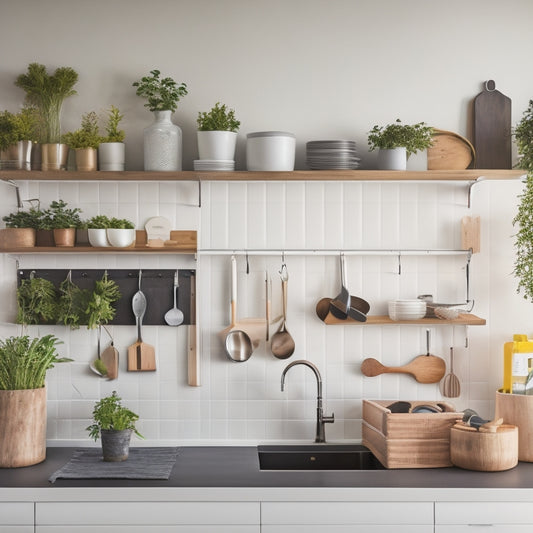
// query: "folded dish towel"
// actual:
[[142, 463]]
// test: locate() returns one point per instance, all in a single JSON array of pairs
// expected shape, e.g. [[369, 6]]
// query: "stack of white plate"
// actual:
[[214, 164], [329, 155], [407, 309]]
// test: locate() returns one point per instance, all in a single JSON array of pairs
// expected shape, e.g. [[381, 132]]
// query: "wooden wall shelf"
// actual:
[[465, 319]]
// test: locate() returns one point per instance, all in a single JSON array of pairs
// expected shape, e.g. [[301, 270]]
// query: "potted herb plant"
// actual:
[[120, 232], [64, 221], [397, 141], [162, 139], [111, 151], [114, 424], [21, 228], [47, 93], [97, 230], [85, 142], [217, 133], [23, 366], [523, 266], [17, 133]]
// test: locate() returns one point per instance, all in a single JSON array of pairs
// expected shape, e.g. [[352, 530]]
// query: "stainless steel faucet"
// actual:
[[320, 418]]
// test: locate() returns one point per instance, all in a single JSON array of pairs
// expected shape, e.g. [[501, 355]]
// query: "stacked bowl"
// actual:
[[330, 155], [407, 309]]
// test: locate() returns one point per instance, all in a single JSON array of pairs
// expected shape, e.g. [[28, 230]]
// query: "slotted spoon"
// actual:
[[451, 386]]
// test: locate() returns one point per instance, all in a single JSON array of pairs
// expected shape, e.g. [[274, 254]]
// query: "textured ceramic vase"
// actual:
[[162, 144]]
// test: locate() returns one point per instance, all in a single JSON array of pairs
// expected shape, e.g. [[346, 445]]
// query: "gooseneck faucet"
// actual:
[[320, 418]]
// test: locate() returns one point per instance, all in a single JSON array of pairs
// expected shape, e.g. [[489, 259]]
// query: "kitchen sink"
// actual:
[[317, 457]]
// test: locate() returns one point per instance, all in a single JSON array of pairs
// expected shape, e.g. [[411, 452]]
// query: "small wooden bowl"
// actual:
[[483, 450]]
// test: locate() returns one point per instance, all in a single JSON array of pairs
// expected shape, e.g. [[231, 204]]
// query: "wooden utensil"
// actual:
[[492, 128], [110, 359], [141, 356], [451, 386], [193, 361]]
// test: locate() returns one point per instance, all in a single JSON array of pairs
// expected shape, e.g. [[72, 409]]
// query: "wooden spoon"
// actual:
[[424, 368]]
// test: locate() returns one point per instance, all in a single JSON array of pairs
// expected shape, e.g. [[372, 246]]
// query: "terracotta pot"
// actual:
[[17, 238], [65, 237], [86, 159], [23, 423]]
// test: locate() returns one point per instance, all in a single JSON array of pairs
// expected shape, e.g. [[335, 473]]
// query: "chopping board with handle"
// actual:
[[424, 368], [492, 128]]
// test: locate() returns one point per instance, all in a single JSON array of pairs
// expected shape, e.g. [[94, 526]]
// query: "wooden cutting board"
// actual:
[[492, 128]]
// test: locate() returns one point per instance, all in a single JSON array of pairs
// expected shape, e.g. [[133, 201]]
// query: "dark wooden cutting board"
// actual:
[[492, 128]]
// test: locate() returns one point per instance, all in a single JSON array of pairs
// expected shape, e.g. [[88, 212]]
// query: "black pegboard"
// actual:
[[157, 286]]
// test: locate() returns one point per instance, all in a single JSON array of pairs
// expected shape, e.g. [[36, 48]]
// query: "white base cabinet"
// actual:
[[16, 517], [347, 517], [483, 517], [159, 517]]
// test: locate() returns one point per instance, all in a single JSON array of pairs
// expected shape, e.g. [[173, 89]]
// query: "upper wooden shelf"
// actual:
[[241, 175], [464, 319]]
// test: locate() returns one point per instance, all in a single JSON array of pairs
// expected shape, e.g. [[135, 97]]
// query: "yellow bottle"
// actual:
[[516, 362]]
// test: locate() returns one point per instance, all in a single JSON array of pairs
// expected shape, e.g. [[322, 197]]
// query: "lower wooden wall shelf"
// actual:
[[464, 319]]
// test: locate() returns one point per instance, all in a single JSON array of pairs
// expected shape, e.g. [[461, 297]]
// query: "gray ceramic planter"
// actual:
[[115, 444]]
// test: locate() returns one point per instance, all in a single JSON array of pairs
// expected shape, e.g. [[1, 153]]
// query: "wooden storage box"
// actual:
[[408, 440]]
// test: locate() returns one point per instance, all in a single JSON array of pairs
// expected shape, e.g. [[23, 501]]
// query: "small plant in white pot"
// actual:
[[111, 151], [397, 141], [217, 133], [121, 232], [114, 424]]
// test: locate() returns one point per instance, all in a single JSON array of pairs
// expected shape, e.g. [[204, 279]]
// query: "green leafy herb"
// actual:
[[87, 136], [100, 309], [219, 118], [114, 135], [163, 94], [414, 137], [109, 413], [24, 362], [72, 304], [37, 301]]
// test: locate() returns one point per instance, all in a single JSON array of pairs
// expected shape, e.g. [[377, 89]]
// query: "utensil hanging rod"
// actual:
[[303, 252]]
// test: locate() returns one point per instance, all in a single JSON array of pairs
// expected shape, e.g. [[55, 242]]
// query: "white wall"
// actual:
[[321, 69]]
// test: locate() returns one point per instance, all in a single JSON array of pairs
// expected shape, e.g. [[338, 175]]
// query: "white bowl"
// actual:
[[120, 238], [97, 237], [270, 151], [407, 309]]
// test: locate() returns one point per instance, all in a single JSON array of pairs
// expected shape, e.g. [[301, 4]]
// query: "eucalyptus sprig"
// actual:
[[109, 413], [414, 137], [100, 309], [24, 362], [163, 94]]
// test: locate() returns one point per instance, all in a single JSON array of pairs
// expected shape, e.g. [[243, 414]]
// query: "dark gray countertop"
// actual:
[[238, 466]]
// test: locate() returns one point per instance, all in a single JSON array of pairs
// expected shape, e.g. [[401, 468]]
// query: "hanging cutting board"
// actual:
[[492, 128]]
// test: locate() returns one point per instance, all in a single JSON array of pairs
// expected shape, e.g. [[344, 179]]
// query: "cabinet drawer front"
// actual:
[[16, 529], [16, 513], [502, 528], [427, 528], [344, 513], [483, 513], [142, 529], [147, 513]]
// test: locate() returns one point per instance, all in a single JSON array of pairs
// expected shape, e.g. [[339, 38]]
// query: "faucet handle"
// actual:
[[329, 419]]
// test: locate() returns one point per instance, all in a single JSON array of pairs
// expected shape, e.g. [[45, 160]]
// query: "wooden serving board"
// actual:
[[492, 128]]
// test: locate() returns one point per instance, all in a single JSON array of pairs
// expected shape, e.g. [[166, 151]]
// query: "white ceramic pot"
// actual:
[[111, 156], [97, 237], [270, 151], [216, 145], [120, 238], [392, 159], [162, 144]]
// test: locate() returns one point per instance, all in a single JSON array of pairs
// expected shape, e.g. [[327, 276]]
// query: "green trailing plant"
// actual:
[[60, 216], [100, 309], [36, 302], [163, 94], [113, 133], [87, 136], [24, 361], [24, 219], [523, 265], [72, 304], [47, 93], [414, 137], [219, 118], [110, 414]]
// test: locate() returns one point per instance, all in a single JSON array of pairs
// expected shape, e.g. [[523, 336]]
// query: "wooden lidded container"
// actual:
[[517, 409], [485, 451], [23, 427]]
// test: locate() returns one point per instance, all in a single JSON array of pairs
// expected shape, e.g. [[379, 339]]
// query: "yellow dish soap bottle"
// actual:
[[517, 356]]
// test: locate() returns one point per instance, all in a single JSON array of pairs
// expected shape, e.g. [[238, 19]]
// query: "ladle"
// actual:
[[282, 344], [174, 316], [237, 342]]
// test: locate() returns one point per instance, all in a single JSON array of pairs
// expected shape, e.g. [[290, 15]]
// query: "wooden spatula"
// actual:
[[424, 368], [110, 359]]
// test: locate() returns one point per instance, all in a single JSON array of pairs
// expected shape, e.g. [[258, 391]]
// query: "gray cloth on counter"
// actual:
[[142, 463]]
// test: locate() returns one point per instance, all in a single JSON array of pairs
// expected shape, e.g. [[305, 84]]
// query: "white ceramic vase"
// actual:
[[162, 144], [392, 159], [111, 156], [217, 145]]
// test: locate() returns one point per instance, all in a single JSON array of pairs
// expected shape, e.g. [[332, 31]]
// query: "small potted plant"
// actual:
[[111, 151], [8, 140], [21, 228], [162, 139], [114, 424], [85, 142], [47, 93], [397, 141], [217, 133], [120, 232], [23, 366], [64, 222]]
